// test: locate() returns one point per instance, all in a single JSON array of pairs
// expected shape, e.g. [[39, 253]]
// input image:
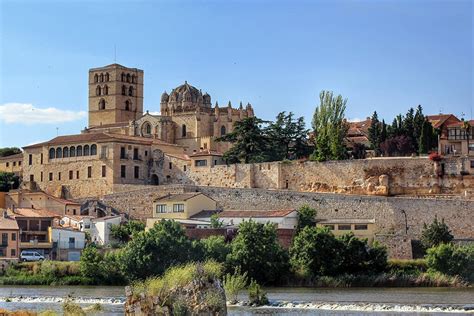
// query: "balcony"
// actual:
[[34, 244]]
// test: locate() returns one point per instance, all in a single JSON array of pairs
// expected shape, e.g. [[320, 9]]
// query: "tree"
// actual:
[[315, 251], [9, 151], [384, 132], [91, 263], [330, 127], [452, 260], [418, 123], [409, 128], [426, 136], [256, 250], [397, 146], [358, 257], [8, 181], [215, 248], [151, 252], [375, 133], [306, 217], [359, 151], [249, 141], [124, 232], [215, 222], [436, 233]]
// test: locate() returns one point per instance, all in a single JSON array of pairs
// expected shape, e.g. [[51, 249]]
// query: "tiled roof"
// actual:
[[439, 119], [8, 223], [15, 156], [178, 156], [347, 221], [205, 213], [206, 152], [30, 212], [105, 218], [460, 124], [259, 214], [177, 197]]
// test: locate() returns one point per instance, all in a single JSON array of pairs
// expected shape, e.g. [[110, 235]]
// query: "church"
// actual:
[[122, 145]]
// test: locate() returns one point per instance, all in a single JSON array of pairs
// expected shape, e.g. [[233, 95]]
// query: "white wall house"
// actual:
[[67, 243], [100, 228]]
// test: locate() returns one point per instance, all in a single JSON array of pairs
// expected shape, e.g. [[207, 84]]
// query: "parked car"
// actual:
[[31, 256]]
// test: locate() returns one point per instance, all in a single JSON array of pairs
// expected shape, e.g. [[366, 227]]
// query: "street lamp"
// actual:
[[406, 221]]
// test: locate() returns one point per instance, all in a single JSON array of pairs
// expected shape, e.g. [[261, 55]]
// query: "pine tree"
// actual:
[[418, 122], [375, 133], [384, 132]]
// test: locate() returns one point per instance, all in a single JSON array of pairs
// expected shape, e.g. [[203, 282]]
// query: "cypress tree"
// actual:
[[375, 132]]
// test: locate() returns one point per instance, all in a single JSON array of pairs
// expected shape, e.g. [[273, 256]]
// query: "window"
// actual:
[[184, 168], [41, 176], [127, 105], [30, 159], [122, 153], [171, 165], [19, 162], [32, 177], [79, 151], [94, 150], [13, 236], [96, 78], [106, 90], [183, 130], [41, 160], [130, 91], [134, 79], [123, 77], [331, 227], [123, 171], [77, 174], [472, 163], [13, 252], [148, 129], [360, 227], [135, 153], [98, 90], [14, 164], [59, 176], [102, 104], [178, 208], [86, 150], [65, 152], [161, 208], [72, 151], [8, 164], [136, 172], [223, 131], [107, 77], [101, 77], [71, 175], [52, 153], [73, 211], [344, 227], [104, 171], [200, 163], [4, 239], [128, 77], [59, 152], [146, 153], [50, 176], [89, 172], [124, 90]]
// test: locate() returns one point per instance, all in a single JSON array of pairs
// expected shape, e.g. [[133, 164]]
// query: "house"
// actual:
[[100, 228], [181, 207], [284, 219], [206, 159], [12, 163], [81, 223], [361, 228], [9, 231], [358, 133], [41, 200], [67, 243]]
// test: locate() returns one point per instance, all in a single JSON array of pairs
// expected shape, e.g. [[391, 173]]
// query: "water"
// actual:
[[286, 301]]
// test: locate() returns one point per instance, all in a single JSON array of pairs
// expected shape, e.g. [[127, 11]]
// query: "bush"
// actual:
[[435, 234], [409, 266], [306, 217], [257, 296], [452, 260], [233, 284], [215, 248]]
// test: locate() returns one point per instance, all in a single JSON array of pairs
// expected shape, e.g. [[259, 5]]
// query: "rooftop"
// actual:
[[31, 212], [178, 197], [256, 214], [8, 223], [206, 152], [347, 221]]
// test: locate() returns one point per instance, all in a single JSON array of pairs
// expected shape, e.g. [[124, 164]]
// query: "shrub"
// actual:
[[257, 296], [452, 260], [435, 234], [233, 284], [410, 266], [215, 248], [306, 217]]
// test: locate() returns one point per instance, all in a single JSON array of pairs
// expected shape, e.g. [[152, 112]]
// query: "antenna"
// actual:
[[57, 131]]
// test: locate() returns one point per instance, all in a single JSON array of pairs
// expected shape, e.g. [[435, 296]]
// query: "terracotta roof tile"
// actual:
[[8, 223], [206, 152], [30, 212]]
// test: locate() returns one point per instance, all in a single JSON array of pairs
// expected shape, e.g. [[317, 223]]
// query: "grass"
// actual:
[[233, 284]]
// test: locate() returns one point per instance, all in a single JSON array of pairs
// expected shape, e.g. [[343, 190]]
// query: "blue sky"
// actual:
[[277, 55]]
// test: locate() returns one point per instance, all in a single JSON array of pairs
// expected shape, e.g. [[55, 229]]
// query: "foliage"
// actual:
[[357, 257], [306, 217], [9, 151], [400, 145], [234, 283], [8, 181], [452, 260], [91, 263], [330, 127], [215, 222], [152, 252], [407, 266], [215, 248], [434, 156], [256, 250], [123, 232], [257, 296], [72, 309], [359, 151], [436, 233], [375, 133]]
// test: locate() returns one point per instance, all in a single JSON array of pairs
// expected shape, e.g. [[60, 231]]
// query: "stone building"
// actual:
[[122, 145]]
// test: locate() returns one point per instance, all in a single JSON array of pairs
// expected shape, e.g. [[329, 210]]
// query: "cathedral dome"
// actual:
[[164, 97], [186, 92]]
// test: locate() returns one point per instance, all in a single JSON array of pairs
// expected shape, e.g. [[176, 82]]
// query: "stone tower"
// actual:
[[115, 95]]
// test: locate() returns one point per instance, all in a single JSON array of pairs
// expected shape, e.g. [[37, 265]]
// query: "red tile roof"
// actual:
[[439, 119], [8, 223], [460, 124], [30, 212], [258, 213]]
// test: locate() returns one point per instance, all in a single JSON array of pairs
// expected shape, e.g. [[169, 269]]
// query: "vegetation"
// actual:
[[124, 232], [215, 222], [452, 260], [257, 296], [234, 283], [9, 151], [215, 247], [306, 217], [8, 181], [436, 233]]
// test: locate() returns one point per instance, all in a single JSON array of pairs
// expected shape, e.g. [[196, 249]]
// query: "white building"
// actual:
[[82, 223], [100, 228], [67, 243]]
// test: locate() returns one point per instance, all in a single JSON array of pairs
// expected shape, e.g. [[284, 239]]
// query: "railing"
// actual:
[[36, 244]]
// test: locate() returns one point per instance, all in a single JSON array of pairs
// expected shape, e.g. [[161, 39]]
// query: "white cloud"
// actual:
[[24, 113]]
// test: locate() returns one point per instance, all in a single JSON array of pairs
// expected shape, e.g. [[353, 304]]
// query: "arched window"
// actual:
[[102, 104], [52, 153], [79, 151], [94, 150], [183, 130], [134, 79], [72, 151], [223, 131], [123, 77], [59, 152], [101, 77], [106, 90], [127, 105], [148, 129], [130, 91], [65, 152], [107, 77], [96, 78], [128, 77], [124, 90], [97, 90], [86, 150]]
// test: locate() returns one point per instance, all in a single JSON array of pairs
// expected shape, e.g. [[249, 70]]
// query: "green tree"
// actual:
[[409, 127], [8, 181], [249, 141], [123, 232], [215, 222], [384, 132], [256, 250], [151, 252], [452, 260], [9, 151], [426, 137], [91, 263], [215, 248], [358, 257], [436, 233], [315, 251], [306, 217], [330, 127], [375, 133]]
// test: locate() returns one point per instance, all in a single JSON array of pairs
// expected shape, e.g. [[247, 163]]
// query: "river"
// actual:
[[285, 301]]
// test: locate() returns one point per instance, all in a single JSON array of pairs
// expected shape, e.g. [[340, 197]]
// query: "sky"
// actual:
[[382, 55]]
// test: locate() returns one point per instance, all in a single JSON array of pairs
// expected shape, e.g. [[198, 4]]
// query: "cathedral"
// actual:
[[124, 145]]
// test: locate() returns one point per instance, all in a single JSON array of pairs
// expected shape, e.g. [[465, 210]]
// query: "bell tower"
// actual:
[[115, 94]]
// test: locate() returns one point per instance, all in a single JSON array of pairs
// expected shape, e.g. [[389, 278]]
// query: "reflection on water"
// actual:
[[291, 301]]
